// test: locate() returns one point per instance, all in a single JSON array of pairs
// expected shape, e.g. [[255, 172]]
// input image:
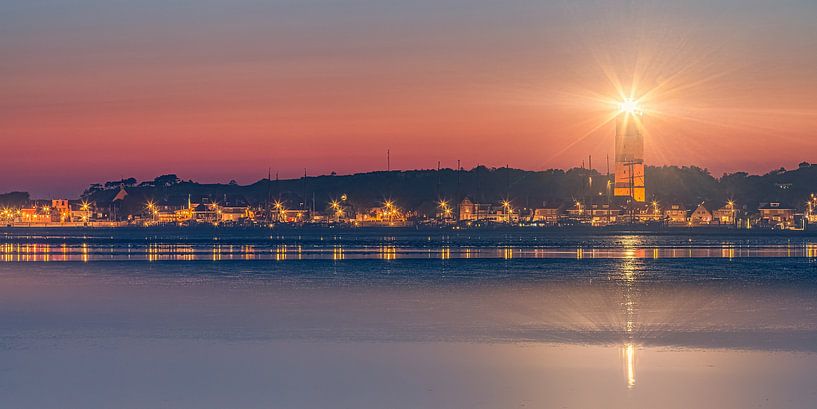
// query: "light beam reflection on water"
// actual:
[[217, 252], [459, 331]]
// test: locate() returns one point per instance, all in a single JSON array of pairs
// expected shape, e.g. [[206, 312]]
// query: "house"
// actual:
[[603, 214], [60, 210], [234, 214], [777, 214], [700, 216], [676, 214], [466, 210], [648, 212], [578, 213], [33, 215], [387, 215], [549, 214], [204, 213], [115, 206], [174, 210], [234, 209], [81, 212], [502, 214], [471, 211], [725, 215]]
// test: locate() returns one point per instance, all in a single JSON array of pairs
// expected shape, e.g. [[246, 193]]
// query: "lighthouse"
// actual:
[[629, 157]]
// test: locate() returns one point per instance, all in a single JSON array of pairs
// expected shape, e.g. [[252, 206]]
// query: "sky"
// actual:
[[220, 90]]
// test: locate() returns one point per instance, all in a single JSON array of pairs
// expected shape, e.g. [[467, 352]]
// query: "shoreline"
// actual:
[[683, 230]]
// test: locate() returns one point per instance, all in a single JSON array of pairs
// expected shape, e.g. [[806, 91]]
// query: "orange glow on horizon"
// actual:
[[246, 90]]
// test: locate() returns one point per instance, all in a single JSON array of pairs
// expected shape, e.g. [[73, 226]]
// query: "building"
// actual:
[[466, 210], [234, 209], [82, 212], [234, 214], [204, 213], [115, 206], [811, 209], [172, 210], [700, 216], [60, 210], [604, 214], [503, 214], [676, 214], [549, 214], [629, 155], [471, 211], [642, 212], [726, 215], [777, 215], [579, 212], [34, 215], [387, 215]]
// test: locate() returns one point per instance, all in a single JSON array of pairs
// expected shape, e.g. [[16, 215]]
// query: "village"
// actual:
[[237, 211]]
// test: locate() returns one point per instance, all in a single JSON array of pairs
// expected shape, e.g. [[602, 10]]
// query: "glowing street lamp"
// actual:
[[337, 209], [445, 208], [389, 206], [507, 206], [151, 206]]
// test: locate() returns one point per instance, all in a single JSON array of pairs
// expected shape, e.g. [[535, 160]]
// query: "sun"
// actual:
[[629, 106]]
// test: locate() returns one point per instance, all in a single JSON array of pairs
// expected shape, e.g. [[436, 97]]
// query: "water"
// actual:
[[475, 319]]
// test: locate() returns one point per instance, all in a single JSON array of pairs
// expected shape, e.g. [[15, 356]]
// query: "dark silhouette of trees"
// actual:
[[423, 189]]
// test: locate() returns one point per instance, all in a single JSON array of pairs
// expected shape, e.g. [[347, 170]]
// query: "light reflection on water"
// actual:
[[218, 252], [397, 326], [630, 325], [198, 244], [629, 358]]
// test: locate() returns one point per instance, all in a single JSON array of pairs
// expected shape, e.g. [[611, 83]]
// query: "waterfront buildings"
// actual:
[[387, 215], [473, 211], [503, 212], [676, 214], [123, 207], [811, 209], [777, 215], [726, 215], [548, 215], [700, 216]]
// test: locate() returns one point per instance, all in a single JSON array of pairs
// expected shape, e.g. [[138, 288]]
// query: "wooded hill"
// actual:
[[421, 189]]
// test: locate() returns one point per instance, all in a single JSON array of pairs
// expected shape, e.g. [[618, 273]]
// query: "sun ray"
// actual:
[[581, 138]]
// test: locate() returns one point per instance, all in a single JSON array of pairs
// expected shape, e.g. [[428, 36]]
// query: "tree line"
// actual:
[[422, 190]]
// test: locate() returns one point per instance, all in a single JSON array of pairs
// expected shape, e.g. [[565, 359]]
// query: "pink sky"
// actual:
[[215, 91]]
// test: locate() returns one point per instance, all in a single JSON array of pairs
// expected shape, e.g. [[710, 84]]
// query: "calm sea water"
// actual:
[[406, 319]]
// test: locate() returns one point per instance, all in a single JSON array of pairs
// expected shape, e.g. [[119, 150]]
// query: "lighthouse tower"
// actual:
[[629, 178]]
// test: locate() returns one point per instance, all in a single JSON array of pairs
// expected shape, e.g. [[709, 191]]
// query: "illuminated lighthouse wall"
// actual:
[[629, 180]]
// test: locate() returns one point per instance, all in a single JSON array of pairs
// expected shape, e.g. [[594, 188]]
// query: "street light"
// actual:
[[337, 208], [507, 206], [446, 209], [151, 206]]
